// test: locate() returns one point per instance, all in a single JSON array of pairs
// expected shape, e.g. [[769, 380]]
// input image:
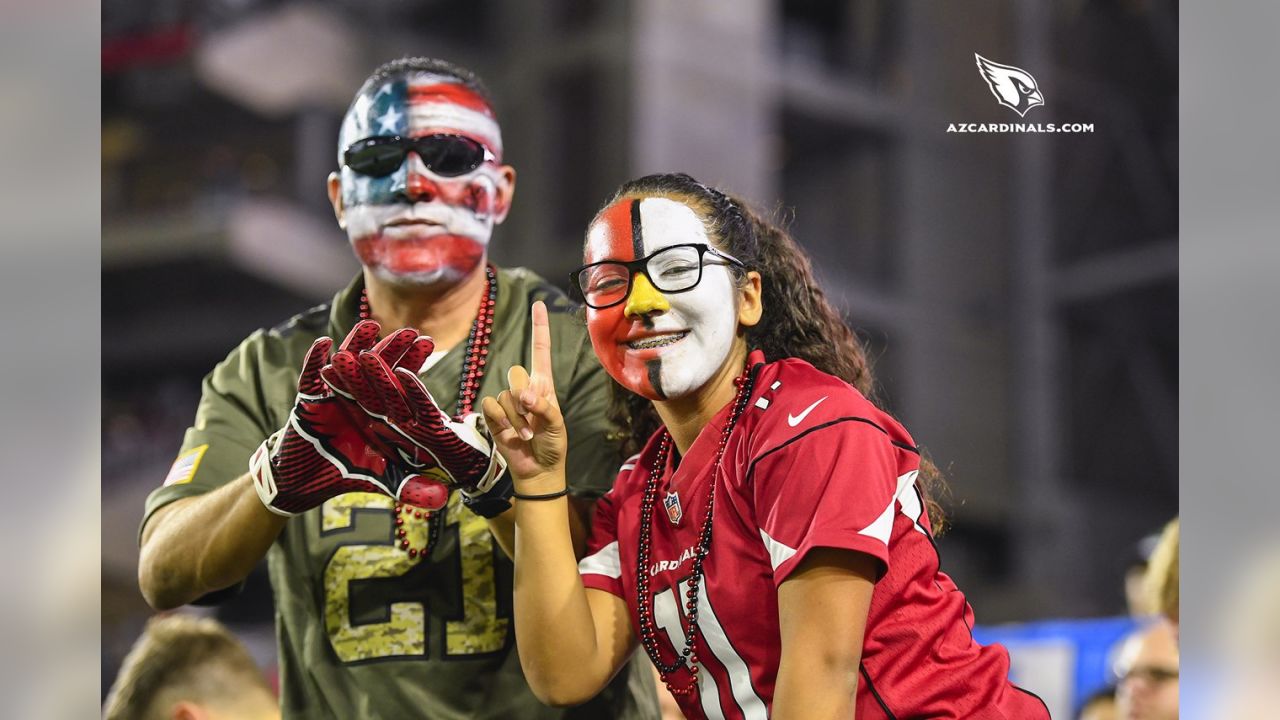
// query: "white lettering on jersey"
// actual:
[[664, 565]]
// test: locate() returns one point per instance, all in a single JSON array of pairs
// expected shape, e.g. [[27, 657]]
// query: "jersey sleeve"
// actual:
[[601, 568], [834, 486], [231, 421], [593, 446]]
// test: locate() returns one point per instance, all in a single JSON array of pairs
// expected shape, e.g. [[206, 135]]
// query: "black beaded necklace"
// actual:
[[473, 364], [687, 657]]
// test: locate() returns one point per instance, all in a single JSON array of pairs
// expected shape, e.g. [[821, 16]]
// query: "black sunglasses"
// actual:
[[445, 155]]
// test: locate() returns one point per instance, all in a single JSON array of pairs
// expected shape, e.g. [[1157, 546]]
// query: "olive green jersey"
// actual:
[[365, 630]]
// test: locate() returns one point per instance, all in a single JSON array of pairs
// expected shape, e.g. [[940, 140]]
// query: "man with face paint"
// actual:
[[387, 609]]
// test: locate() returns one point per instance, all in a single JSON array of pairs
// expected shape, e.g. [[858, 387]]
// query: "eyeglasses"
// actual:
[[673, 269], [445, 155]]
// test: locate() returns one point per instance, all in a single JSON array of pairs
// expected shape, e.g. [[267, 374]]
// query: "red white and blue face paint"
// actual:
[[657, 345], [414, 226]]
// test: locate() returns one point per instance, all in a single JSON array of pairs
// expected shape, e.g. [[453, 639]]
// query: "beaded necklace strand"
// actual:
[[473, 365], [687, 657]]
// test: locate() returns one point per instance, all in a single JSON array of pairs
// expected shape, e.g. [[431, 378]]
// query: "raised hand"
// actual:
[[526, 421], [382, 385], [320, 452]]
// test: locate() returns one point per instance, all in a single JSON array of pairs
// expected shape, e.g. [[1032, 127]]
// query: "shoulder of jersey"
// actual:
[[313, 321], [793, 398], [535, 287], [285, 343]]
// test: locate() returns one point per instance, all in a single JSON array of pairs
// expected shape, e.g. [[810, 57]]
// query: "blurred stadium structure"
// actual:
[[1019, 291]]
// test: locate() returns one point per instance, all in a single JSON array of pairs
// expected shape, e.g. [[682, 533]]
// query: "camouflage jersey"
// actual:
[[365, 630]]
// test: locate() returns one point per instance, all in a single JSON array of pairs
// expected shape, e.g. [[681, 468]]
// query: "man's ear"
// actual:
[[505, 190], [335, 199], [751, 302]]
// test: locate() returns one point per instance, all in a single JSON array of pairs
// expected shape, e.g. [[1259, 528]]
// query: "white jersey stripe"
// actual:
[[778, 553], [753, 708], [605, 561], [709, 692], [911, 505], [882, 527]]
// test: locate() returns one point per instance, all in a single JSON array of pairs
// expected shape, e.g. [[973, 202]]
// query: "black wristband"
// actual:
[[548, 496]]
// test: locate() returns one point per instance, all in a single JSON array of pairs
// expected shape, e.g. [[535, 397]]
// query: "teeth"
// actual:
[[656, 341]]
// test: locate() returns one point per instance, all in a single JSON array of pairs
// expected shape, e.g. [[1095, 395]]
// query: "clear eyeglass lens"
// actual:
[[603, 284], [674, 269]]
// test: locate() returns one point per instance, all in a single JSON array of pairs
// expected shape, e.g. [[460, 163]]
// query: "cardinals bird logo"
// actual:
[[1013, 87]]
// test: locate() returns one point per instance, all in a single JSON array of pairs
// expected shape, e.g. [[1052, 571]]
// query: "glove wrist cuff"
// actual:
[[492, 502], [263, 475]]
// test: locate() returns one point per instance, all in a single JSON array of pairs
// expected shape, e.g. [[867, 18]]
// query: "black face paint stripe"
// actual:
[[655, 377], [637, 234]]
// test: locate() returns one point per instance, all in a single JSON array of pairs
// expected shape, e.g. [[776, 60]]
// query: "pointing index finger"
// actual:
[[541, 360]]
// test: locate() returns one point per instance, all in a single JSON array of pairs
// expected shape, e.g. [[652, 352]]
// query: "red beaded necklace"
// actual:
[[687, 657], [473, 364]]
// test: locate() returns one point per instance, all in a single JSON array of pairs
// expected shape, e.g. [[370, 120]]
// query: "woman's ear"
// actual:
[[750, 303]]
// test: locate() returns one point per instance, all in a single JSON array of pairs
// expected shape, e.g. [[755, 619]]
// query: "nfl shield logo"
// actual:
[[672, 504]]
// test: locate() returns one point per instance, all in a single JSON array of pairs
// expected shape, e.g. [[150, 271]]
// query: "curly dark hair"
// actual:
[[798, 319]]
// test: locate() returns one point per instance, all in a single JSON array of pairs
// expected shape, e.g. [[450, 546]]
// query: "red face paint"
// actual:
[[449, 92], [415, 225], [614, 237], [408, 256], [671, 344]]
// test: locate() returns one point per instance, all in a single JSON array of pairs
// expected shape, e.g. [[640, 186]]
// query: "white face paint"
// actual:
[[414, 226], [669, 344]]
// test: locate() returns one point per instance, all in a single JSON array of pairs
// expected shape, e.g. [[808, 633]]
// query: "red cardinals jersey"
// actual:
[[811, 463]]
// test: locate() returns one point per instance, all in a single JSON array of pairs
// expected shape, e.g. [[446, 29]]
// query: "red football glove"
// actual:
[[320, 452], [429, 442]]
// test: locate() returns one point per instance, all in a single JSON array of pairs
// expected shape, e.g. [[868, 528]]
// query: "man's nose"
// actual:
[[417, 185], [644, 298]]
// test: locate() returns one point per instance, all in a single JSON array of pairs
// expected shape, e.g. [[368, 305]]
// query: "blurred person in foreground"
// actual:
[[1099, 706], [379, 520], [1147, 669], [1162, 574], [1137, 597], [1248, 667], [189, 668], [770, 545]]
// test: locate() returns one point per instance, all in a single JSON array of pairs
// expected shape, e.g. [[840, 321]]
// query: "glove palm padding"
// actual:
[[321, 451], [425, 438]]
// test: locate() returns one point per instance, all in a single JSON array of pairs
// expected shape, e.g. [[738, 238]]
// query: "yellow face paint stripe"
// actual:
[[644, 297]]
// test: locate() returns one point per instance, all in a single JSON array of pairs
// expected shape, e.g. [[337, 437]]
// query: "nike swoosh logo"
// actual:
[[794, 420]]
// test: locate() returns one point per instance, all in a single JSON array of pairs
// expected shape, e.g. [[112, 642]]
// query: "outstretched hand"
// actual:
[[525, 419]]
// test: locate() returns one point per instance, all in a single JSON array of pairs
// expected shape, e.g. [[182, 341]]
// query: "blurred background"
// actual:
[[1018, 291]]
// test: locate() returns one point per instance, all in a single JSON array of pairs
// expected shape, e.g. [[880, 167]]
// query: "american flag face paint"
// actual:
[[658, 345], [413, 225]]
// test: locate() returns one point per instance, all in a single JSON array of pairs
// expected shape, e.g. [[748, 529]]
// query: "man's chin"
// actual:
[[421, 277], [443, 259]]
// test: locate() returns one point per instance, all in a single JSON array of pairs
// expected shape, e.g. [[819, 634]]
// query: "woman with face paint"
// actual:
[[769, 545]]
